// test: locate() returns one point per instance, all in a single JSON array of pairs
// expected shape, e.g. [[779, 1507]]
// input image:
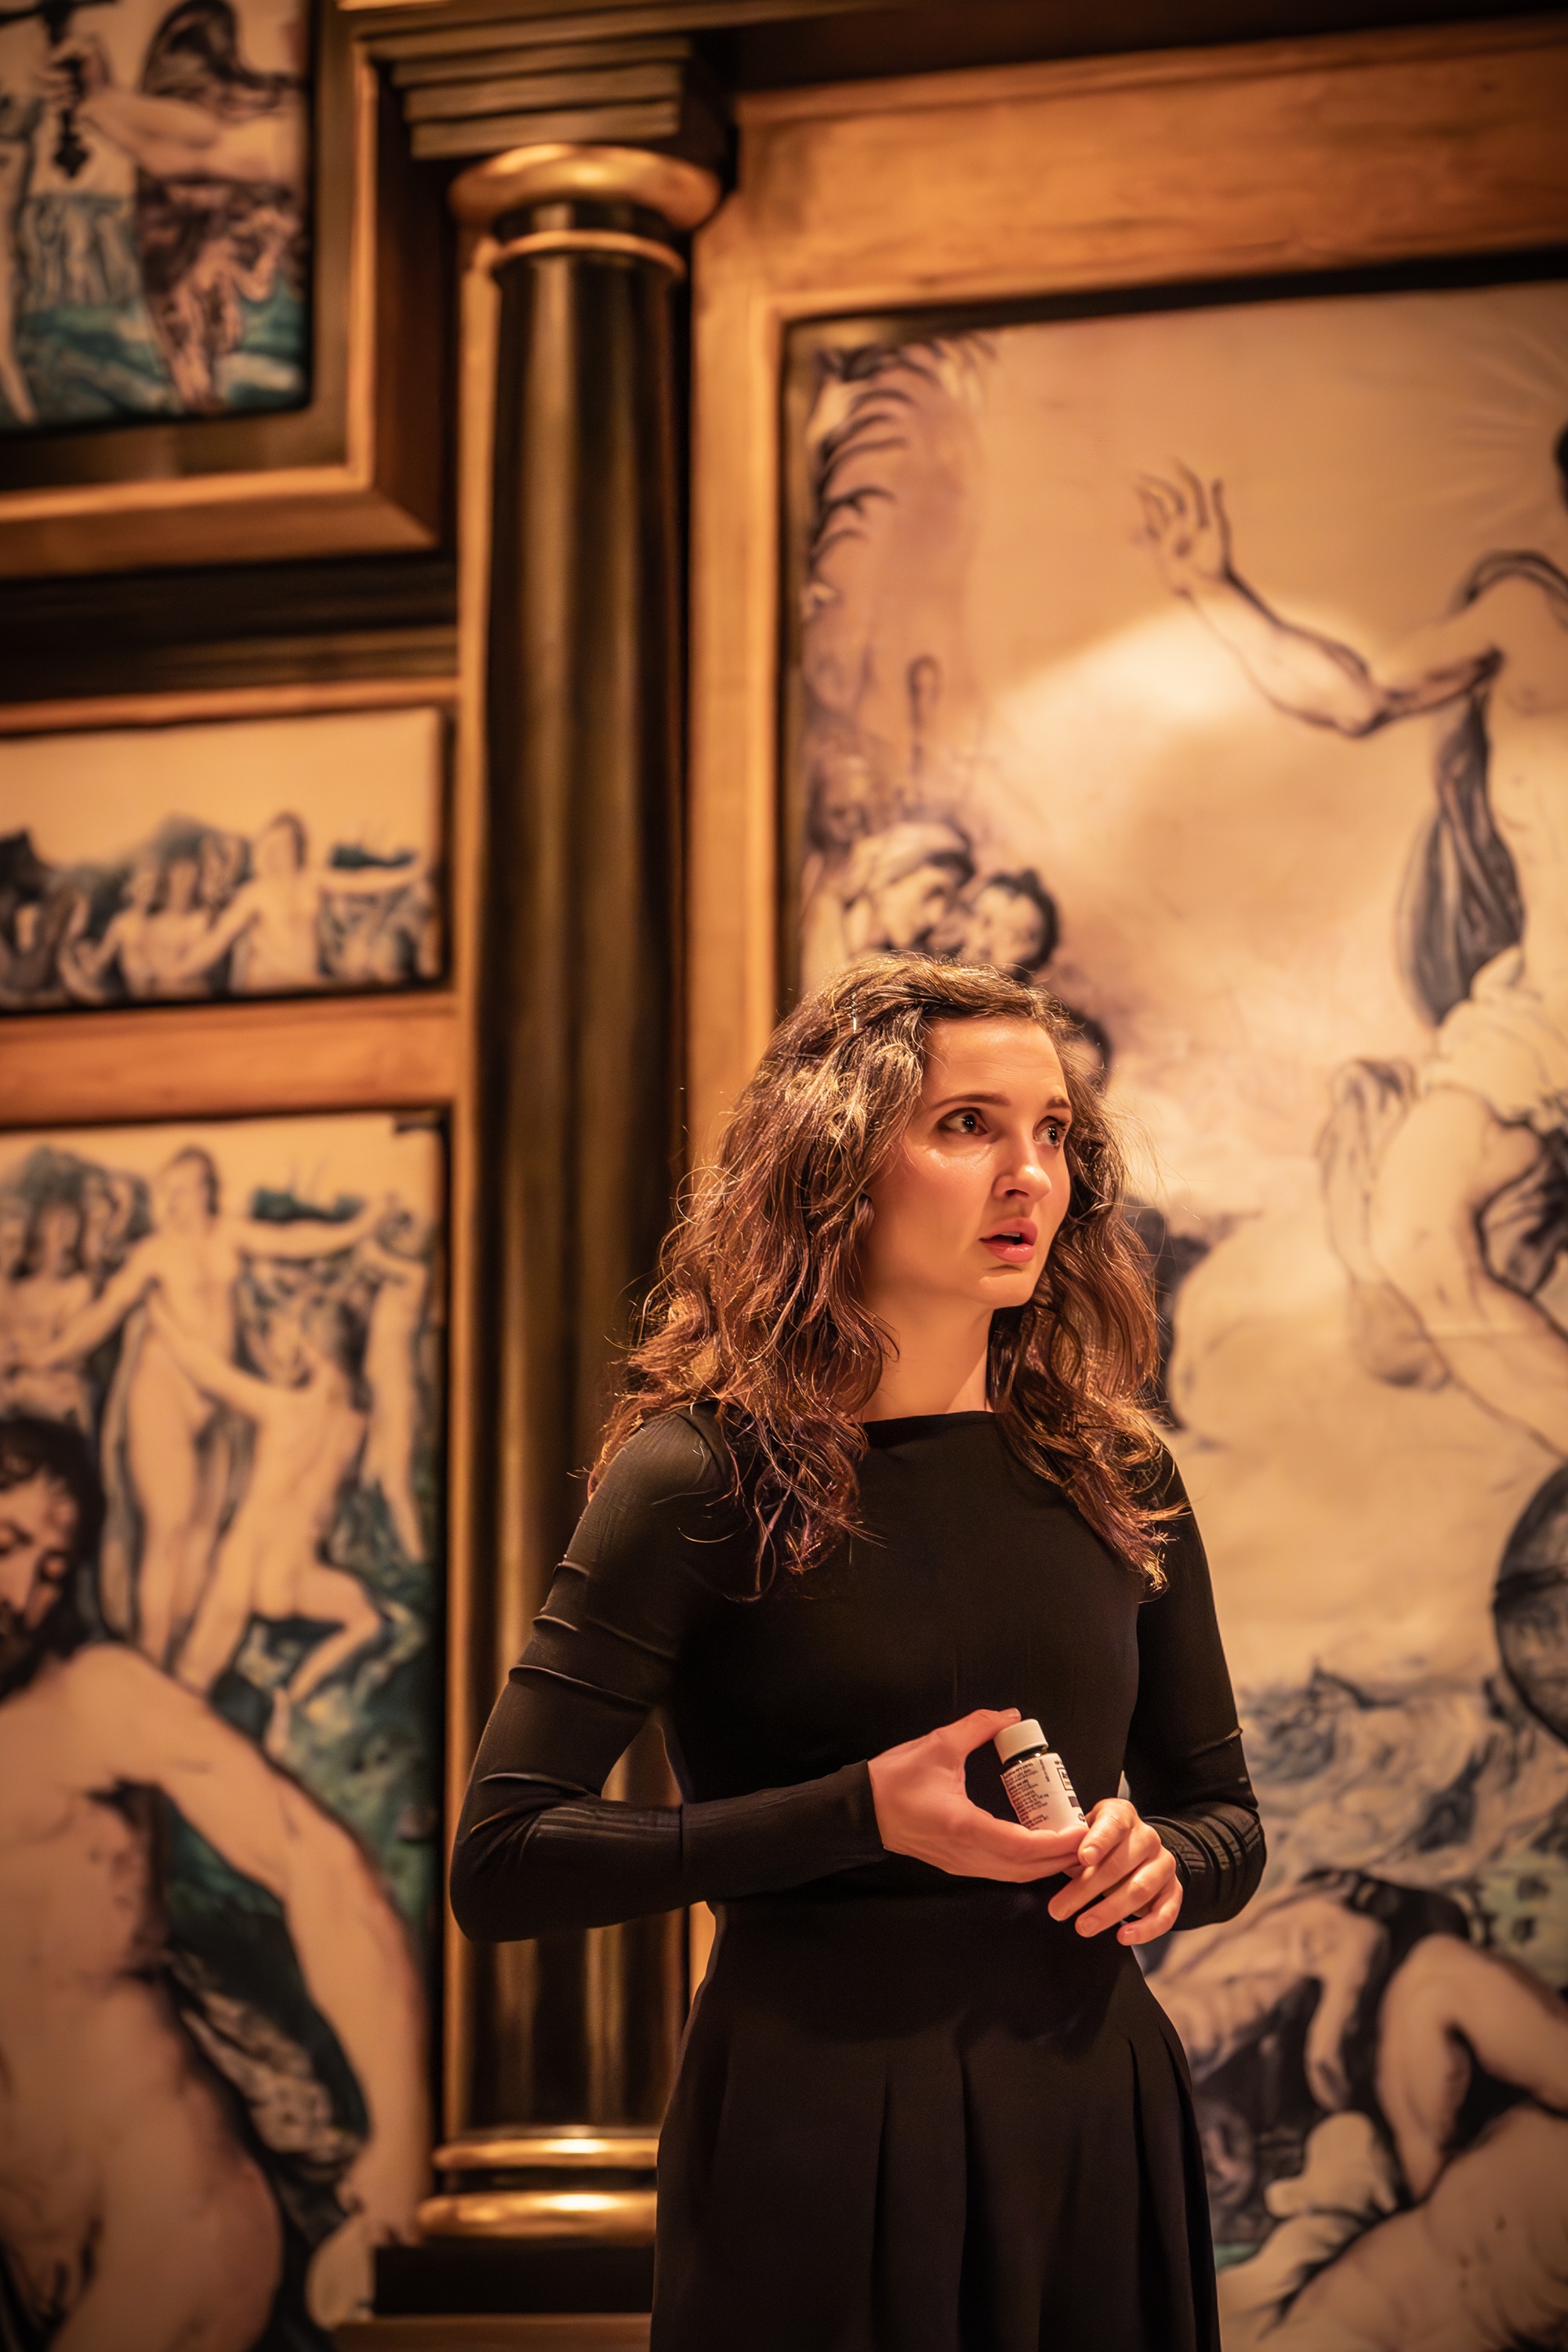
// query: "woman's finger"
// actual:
[[1110, 1821], [972, 1731], [1141, 1846], [1134, 1894], [1158, 1920], [1091, 1888], [1042, 1851]]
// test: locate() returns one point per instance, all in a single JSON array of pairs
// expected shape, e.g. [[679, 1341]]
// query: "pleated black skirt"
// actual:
[[929, 2124]]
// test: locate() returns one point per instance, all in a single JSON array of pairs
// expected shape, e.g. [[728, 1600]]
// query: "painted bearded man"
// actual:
[[135, 2214]]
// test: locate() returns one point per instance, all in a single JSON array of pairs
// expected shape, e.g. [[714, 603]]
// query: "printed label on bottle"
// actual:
[[1041, 1795]]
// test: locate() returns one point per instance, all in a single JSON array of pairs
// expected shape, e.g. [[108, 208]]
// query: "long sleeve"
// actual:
[[538, 1848], [1185, 1762]]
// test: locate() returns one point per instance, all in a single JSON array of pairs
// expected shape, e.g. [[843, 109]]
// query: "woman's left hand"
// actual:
[[1123, 1874]]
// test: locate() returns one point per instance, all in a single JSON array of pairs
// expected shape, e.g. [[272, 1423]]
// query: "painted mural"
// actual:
[[173, 863], [154, 174], [1211, 662], [219, 1731]]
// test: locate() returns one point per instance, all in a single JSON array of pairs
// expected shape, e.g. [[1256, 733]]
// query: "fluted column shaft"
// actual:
[[580, 1014]]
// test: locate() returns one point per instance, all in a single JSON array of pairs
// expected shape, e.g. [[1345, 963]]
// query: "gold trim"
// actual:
[[622, 2217], [682, 193], [190, 705], [591, 240], [397, 1051], [1161, 68], [466, 1700], [606, 2151]]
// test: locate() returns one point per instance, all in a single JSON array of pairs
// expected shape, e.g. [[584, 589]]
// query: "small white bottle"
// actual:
[[1035, 1779]]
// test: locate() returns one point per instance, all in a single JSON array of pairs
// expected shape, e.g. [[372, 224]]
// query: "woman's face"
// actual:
[[972, 1201]]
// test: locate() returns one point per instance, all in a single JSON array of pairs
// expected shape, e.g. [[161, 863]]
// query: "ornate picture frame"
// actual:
[[1282, 159], [359, 467]]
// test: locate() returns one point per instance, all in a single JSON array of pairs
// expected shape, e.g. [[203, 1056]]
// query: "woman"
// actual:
[[879, 1482]]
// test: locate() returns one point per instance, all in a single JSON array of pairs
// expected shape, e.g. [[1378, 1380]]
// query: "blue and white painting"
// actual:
[[155, 173], [1212, 664], [221, 858], [220, 1596]]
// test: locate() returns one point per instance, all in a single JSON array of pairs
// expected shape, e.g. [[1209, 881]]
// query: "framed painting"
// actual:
[[208, 253], [1193, 640], [221, 1370], [235, 858], [134, 289]]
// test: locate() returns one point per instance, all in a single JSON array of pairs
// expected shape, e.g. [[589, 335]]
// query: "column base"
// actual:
[[468, 2275], [559, 2217], [515, 2332]]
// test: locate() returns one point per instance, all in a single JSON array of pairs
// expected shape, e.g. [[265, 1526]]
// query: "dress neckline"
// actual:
[[920, 1424]]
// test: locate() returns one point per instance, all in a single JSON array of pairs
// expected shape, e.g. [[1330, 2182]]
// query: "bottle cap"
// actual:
[[1016, 1737]]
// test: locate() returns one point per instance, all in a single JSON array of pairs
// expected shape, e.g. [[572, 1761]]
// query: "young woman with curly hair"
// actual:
[[882, 1479]]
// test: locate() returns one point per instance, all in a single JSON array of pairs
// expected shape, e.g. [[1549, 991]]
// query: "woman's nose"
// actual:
[[1027, 1173]]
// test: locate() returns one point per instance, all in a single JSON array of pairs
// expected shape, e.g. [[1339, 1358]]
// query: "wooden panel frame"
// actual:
[[399, 1049], [408, 1050], [359, 469], [1276, 159]]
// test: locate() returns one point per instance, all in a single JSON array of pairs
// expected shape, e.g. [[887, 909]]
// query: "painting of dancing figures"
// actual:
[[154, 210], [219, 1729], [259, 857], [1239, 626]]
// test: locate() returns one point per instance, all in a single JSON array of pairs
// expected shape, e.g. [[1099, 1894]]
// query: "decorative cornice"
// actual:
[[475, 81]]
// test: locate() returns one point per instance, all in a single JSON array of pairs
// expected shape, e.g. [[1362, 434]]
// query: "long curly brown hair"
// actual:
[[757, 1311]]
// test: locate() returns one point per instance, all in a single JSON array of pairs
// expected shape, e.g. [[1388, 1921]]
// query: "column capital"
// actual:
[[680, 193], [479, 90]]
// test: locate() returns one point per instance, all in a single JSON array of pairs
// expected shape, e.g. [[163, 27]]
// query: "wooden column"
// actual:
[[568, 2044]]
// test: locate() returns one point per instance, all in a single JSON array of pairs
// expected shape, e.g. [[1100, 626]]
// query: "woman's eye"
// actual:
[[1055, 1133], [963, 1122]]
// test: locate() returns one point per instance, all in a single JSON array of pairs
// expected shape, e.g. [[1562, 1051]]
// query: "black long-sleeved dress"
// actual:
[[914, 2113]]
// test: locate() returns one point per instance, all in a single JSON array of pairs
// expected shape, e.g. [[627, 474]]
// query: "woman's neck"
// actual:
[[933, 1365]]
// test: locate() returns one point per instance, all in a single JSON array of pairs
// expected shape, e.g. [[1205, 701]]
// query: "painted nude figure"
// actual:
[[396, 1318], [194, 1258], [1438, 2237], [40, 1303], [309, 1437], [219, 151], [152, 938], [133, 2218], [1492, 1098], [273, 921]]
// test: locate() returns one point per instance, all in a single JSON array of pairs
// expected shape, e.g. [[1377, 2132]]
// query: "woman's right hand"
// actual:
[[924, 1809]]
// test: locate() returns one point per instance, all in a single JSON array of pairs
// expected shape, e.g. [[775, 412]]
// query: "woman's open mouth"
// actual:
[[1012, 1243]]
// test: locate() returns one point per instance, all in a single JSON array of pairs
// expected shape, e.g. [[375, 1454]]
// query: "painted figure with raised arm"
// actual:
[[194, 1258], [309, 1437], [273, 922], [1493, 1096], [134, 2216]]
